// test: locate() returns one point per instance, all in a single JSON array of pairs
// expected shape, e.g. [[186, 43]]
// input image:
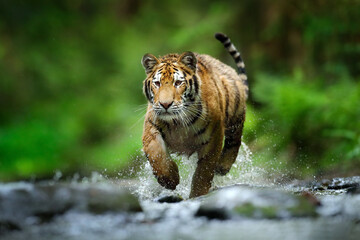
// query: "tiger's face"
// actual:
[[171, 85]]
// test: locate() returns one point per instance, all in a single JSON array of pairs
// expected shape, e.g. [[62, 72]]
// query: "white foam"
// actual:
[[243, 171]]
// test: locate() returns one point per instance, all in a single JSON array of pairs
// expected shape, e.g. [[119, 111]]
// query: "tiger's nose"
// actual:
[[166, 105]]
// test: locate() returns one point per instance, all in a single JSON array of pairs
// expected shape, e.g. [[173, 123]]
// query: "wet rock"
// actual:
[[25, 203], [325, 182], [170, 199], [8, 226], [213, 213], [344, 183], [240, 201], [321, 185], [354, 189], [111, 199]]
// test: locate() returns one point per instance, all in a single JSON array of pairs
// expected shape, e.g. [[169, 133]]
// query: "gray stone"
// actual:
[[241, 201], [23, 203]]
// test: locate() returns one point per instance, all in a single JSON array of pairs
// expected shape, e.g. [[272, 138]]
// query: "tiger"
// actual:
[[196, 104]]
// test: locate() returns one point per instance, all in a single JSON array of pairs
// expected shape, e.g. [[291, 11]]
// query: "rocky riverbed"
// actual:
[[326, 209]]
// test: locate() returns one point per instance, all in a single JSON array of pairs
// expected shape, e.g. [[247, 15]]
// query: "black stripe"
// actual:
[[186, 71], [226, 101], [227, 44], [196, 85], [236, 125], [210, 136], [233, 52], [202, 68], [191, 86], [221, 37], [231, 143], [197, 115], [167, 125], [149, 90], [203, 65], [205, 143], [157, 128], [232, 137], [241, 70], [237, 97], [238, 59], [146, 90], [201, 131], [152, 123], [190, 95], [191, 83], [219, 95]]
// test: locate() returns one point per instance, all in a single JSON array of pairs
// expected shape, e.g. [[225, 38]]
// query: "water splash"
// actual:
[[243, 171]]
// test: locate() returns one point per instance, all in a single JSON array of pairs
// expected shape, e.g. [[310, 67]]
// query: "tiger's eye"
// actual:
[[177, 83]]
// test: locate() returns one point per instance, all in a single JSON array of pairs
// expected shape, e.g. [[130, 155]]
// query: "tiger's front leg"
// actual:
[[164, 169], [208, 158]]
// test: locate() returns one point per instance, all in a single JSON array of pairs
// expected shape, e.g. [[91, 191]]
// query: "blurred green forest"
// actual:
[[71, 80]]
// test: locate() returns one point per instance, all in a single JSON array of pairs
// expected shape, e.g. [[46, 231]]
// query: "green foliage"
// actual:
[[309, 123], [71, 79]]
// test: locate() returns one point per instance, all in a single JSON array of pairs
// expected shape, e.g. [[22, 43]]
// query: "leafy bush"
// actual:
[[308, 123]]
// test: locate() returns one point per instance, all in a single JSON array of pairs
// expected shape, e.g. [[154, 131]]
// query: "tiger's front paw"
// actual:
[[168, 182], [172, 179]]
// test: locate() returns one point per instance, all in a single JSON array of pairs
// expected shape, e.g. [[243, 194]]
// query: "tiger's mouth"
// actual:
[[168, 114]]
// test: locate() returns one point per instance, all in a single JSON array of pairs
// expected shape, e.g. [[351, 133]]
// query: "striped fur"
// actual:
[[196, 105], [230, 47]]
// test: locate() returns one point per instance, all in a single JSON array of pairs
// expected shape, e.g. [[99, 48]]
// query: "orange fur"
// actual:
[[195, 102]]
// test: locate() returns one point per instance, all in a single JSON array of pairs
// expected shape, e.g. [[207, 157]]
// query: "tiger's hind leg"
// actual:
[[231, 147]]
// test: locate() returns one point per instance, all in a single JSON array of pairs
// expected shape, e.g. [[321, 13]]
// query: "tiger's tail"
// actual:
[[225, 40]]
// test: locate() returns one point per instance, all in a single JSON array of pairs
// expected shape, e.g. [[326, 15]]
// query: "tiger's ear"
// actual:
[[149, 61], [189, 60]]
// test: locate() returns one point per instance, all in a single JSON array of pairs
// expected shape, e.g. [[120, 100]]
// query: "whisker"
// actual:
[[182, 120], [140, 109], [197, 113], [188, 121], [136, 123]]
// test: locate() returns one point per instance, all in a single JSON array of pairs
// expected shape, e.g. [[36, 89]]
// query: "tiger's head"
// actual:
[[171, 85]]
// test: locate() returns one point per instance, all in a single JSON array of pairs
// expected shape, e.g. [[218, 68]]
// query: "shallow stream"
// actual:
[[241, 205]]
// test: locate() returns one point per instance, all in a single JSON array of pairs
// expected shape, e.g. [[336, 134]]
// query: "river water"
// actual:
[[335, 216]]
